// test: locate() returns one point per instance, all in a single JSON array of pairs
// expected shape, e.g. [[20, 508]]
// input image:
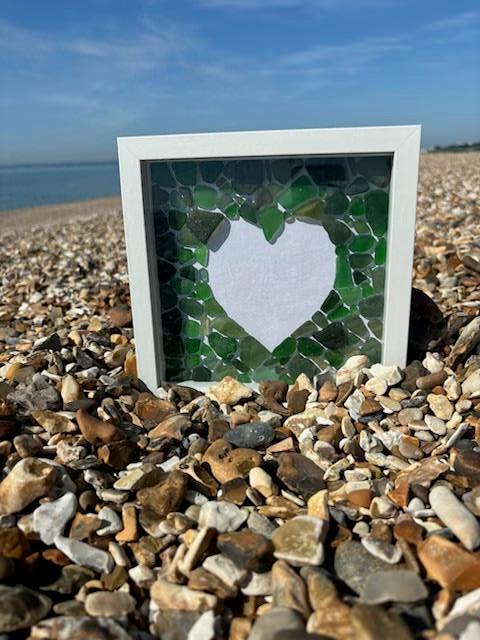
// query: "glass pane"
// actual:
[[240, 241]]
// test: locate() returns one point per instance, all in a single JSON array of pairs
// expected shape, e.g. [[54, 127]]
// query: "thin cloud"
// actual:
[[347, 55], [145, 47], [456, 21]]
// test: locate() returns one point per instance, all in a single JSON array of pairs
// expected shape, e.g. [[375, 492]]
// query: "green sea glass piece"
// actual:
[[361, 244], [203, 224], [222, 345], [271, 220], [311, 211], [252, 353], [185, 172], [205, 197], [300, 190], [376, 204]]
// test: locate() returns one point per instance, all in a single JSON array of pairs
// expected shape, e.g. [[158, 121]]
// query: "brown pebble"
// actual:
[[432, 379], [97, 431]]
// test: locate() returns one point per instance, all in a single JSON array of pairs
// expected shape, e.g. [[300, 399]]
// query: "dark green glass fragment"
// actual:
[[343, 276], [372, 307], [308, 347], [336, 204], [201, 374], [359, 185], [252, 353], [203, 224], [222, 345], [213, 308], [203, 291], [333, 337], [361, 244], [357, 207], [165, 271], [160, 174], [247, 176], [381, 251], [285, 348], [172, 346], [177, 218], [228, 327], [185, 172], [211, 169], [331, 301], [192, 345], [248, 212], [338, 232], [172, 321], [168, 297], [360, 260], [376, 204], [191, 307]]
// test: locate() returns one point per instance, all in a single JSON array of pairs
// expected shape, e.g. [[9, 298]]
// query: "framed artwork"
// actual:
[[264, 254]]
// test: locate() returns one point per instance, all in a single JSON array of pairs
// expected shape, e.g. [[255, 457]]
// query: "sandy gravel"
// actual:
[[53, 213]]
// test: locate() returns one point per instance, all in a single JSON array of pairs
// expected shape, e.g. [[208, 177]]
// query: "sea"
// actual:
[[36, 185]]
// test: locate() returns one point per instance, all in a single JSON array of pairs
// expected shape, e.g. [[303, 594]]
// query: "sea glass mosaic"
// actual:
[[195, 207]]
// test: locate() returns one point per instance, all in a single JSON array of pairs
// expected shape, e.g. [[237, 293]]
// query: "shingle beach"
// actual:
[[345, 509]]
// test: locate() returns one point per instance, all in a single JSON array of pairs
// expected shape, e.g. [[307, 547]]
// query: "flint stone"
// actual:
[[278, 619], [393, 586], [353, 564], [299, 541], [21, 607], [167, 595], [109, 604], [223, 516], [251, 435], [300, 474], [85, 554], [455, 515], [49, 519], [70, 627], [28, 480]]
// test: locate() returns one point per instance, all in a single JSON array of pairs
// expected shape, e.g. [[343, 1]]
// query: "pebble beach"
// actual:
[[345, 508]]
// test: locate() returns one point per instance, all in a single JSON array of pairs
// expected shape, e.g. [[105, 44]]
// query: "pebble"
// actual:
[[21, 607], [222, 516], [441, 406], [350, 369], [29, 479], [107, 514], [252, 435], [300, 474], [110, 604], [97, 431], [50, 518], [276, 621], [449, 564], [455, 515], [228, 391], [393, 586], [167, 596], [353, 564], [299, 541], [84, 554], [226, 570]]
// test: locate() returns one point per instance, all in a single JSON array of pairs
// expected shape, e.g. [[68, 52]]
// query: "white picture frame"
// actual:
[[402, 142]]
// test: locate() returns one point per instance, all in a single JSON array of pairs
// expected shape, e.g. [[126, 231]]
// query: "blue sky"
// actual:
[[75, 74]]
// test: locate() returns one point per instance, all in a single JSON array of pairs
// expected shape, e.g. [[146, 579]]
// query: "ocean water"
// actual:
[[31, 186]]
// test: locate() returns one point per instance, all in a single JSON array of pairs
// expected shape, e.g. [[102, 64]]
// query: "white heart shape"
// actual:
[[272, 289]]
